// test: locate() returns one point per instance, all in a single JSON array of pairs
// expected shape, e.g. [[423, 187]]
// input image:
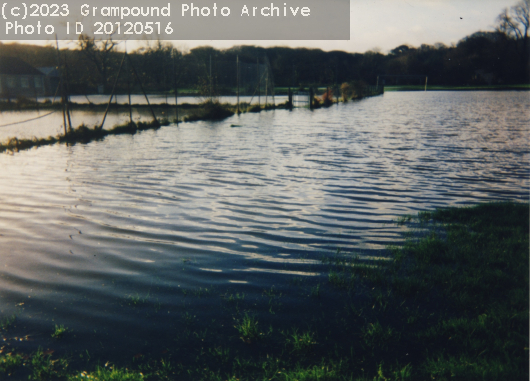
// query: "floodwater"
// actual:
[[170, 99], [44, 123], [118, 239]]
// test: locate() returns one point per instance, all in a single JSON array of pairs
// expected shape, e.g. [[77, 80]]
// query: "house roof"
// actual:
[[50, 71], [15, 66]]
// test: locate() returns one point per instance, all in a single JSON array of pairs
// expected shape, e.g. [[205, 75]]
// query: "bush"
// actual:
[[327, 98], [346, 91], [211, 110]]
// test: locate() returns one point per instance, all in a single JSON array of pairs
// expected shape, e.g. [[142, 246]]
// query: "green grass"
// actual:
[[321, 372], [81, 134], [375, 336], [44, 367], [254, 108], [106, 374], [301, 342], [134, 300], [248, 329], [453, 88], [59, 331], [233, 298], [451, 304], [7, 322], [315, 291], [211, 110], [9, 362], [189, 318]]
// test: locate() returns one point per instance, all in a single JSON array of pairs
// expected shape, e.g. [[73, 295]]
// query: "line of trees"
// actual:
[[496, 57]]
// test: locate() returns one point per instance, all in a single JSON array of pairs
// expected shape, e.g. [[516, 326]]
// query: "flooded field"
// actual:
[[132, 240], [28, 124]]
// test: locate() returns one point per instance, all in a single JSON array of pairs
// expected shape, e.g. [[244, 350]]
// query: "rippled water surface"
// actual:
[[241, 205]]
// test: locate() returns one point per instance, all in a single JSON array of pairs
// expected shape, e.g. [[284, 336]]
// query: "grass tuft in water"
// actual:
[[59, 331], [248, 329], [301, 342], [44, 367], [210, 110], [106, 374], [452, 303], [10, 362], [315, 291], [7, 322]]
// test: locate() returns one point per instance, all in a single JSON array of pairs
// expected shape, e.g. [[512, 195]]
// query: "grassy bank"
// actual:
[[450, 304], [81, 134], [458, 88], [208, 110]]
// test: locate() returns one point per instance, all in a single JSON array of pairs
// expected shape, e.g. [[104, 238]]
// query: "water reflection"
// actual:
[[83, 227], [44, 123]]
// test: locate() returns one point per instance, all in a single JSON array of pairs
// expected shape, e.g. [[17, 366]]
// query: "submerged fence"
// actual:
[[229, 78], [247, 84], [318, 96]]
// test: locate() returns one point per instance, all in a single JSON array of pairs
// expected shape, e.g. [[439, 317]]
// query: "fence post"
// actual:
[[61, 83], [311, 98], [259, 84], [128, 87], [237, 77], [175, 55], [67, 97], [143, 90], [267, 88], [112, 92]]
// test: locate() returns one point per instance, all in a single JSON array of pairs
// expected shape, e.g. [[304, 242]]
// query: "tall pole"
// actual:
[[426, 78], [272, 91], [237, 77], [67, 95], [112, 92], [336, 82], [175, 54], [61, 81], [128, 85], [143, 90], [267, 88], [129, 94], [259, 85], [210, 78]]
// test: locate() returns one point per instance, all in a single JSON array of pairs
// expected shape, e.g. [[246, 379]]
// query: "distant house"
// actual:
[[19, 79], [52, 79]]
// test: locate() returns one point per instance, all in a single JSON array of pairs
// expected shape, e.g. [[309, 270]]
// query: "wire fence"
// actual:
[[229, 78]]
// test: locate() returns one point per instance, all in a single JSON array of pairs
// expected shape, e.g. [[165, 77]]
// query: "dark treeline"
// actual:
[[492, 58]]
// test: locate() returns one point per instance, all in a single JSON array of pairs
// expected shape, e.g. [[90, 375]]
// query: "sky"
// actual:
[[385, 24]]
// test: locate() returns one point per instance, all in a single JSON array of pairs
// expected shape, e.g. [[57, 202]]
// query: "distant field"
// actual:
[[439, 88]]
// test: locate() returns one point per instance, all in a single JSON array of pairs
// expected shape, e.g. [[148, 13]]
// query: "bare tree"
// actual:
[[99, 53], [515, 23]]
